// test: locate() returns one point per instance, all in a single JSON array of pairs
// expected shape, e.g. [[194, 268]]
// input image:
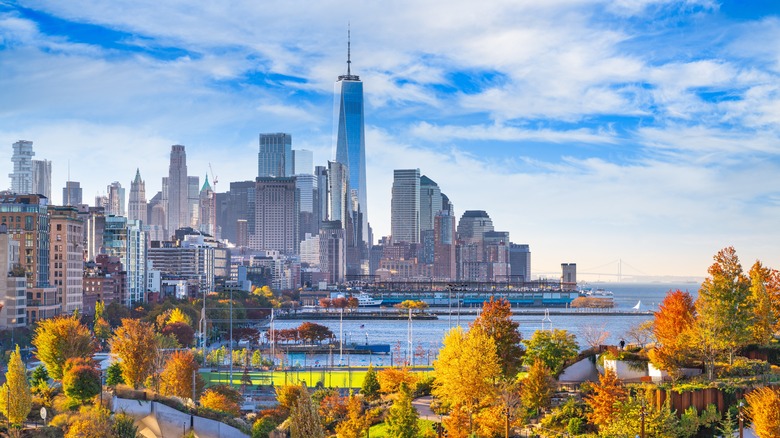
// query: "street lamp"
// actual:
[[741, 416], [642, 414]]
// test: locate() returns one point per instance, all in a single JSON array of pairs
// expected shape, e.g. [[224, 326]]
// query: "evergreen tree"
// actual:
[[402, 418], [370, 389], [114, 375], [15, 394], [727, 425], [81, 381], [39, 376], [304, 418]]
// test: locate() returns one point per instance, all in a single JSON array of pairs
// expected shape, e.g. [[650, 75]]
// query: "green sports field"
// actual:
[[330, 379]]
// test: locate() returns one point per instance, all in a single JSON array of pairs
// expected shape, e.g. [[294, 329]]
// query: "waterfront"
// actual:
[[428, 335]]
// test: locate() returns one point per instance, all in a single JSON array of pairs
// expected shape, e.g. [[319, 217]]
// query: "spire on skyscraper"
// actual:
[[349, 76]]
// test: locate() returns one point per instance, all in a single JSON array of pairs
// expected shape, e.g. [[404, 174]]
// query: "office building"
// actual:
[[193, 201], [430, 202], [405, 206], [208, 209], [136, 207], [473, 224], [444, 266], [303, 162], [349, 134], [276, 216], [177, 193], [22, 176], [41, 182], [71, 193], [275, 158], [240, 207], [568, 276], [67, 257], [333, 247], [520, 262]]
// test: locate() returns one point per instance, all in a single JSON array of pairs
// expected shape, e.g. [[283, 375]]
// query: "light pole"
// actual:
[[642, 414], [741, 416]]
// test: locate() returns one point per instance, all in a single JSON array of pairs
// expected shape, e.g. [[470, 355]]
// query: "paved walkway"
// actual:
[[423, 406]]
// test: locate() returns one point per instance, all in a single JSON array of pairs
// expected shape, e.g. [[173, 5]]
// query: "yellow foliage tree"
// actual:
[[764, 411], [136, 346], [457, 423], [178, 316], [287, 396], [356, 422], [15, 394], [390, 379], [91, 422], [538, 386], [466, 370], [606, 395], [58, 339], [181, 369], [761, 293]]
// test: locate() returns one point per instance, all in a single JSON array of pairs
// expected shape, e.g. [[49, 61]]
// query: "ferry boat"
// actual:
[[366, 300]]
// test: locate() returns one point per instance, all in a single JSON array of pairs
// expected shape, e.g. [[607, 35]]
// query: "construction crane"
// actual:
[[214, 180]]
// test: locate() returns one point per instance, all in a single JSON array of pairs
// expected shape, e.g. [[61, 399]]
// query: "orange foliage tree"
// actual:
[[59, 339], [137, 348], [177, 377], [222, 398], [603, 401], [496, 321], [674, 318], [763, 294], [390, 379], [764, 411]]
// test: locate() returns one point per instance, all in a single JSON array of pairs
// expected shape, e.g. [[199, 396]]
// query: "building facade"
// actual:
[[276, 216], [275, 157], [67, 257], [177, 209], [405, 206], [136, 207], [22, 176]]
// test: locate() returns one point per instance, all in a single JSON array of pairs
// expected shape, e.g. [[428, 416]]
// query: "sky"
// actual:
[[635, 133]]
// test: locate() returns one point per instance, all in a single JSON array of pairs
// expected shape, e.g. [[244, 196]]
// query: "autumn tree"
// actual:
[[182, 332], [222, 398], [672, 325], [332, 406], [538, 387], [61, 338], [606, 394], [177, 377], [178, 316], [357, 420], [496, 321], [370, 389], [91, 422], [81, 381], [724, 311], [641, 333], [390, 379], [101, 327], [136, 346], [15, 394], [304, 418], [765, 318], [287, 396], [466, 369], [553, 347], [764, 411], [402, 417]]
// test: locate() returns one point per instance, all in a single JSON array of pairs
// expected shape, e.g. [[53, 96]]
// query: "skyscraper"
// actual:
[[71, 193], [41, 182], [275, 156], [136, 208], [473, 224], [177, 211], [193, 201], [349, 136], [116, 199], [276, 216], [208, 209], [303, 162], [22, 176], [405, 206], [430, 203]]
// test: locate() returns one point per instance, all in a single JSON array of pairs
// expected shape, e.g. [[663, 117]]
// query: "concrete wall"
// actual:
[[623, 370], [584, 370], [159, 420]]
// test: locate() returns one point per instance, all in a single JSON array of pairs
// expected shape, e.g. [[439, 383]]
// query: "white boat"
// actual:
[[638, 305], [366, 300]]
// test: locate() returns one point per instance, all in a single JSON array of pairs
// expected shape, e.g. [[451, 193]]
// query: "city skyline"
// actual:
[[642, 131]]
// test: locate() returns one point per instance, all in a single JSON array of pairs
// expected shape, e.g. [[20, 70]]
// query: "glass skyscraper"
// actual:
[[349, 137], [275, 158]]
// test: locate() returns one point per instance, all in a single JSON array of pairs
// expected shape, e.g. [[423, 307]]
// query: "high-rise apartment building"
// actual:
[[66, 259], [22, 176], [136, 207], [275, 157], [405, 206], [178, 207], [71, 193], [116, 199], [276, 216], [350, 144], [13, 294], [41, 182]]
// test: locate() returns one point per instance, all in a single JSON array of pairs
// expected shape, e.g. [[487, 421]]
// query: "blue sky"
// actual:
[[642, 130]]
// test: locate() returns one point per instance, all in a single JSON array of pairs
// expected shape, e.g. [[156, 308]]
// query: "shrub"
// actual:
[[742, 367]]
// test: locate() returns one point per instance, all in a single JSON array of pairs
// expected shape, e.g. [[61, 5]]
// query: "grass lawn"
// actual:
[[331, 379], [380, 430]]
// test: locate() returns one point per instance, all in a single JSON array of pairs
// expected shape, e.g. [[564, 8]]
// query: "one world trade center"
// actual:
[[350, 151]]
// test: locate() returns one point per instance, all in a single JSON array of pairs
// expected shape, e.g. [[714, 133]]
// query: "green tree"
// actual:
[[553, 347], [496, 321], [724, 310], [59, 339], [304, 418], [114, 375], [263, 427], [123, 426], [81, 381], [136, 346], [370, 389], [628, 418], [39, 375], [538, 387], [402, 417], [15, 394]]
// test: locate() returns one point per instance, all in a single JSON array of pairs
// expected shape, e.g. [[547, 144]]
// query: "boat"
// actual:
[[638, 306], [366, 300]]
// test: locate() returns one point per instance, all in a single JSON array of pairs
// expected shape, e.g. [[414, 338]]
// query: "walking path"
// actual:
[[423, 406]]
